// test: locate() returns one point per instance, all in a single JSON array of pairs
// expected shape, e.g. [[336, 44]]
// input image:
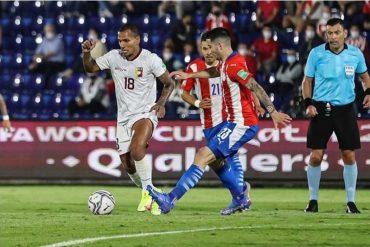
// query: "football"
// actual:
[[101, 202]]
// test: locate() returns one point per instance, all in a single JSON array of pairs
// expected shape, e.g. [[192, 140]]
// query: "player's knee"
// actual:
[[203, 157], [315, 159], [348, 157], [137, 152]]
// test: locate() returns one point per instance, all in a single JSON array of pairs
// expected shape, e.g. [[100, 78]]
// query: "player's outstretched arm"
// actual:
[[208, 73], [169, 84], [277, 117], [204, 103], [366, 80], [89, 63], [4, 112]]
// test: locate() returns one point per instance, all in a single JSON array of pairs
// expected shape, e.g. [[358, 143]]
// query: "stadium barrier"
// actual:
[[84, 152]]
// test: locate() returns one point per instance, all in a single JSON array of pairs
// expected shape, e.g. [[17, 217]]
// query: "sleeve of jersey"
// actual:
[[103, 61], [361, 67], [157, 65], [188, 83], [310, 64], [239, 73]]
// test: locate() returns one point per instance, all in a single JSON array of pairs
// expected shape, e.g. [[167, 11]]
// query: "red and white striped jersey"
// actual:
[[206, 88], [238, 98]]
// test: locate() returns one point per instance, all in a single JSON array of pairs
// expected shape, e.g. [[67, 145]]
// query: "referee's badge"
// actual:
[[139, 71], [349, 70]]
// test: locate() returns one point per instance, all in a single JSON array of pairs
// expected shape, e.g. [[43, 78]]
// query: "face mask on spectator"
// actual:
[[354, 34], [310, 34], [291, 59], [266, 34], [49, 35], [92, 36], [167, 56], [242, 51]]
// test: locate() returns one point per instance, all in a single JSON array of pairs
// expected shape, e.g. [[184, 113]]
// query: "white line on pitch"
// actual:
[[138, 235]]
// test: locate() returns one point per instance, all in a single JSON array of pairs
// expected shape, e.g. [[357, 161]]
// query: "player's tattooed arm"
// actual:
[[261, 95], [169, 84], [208, 73], [89, 63]]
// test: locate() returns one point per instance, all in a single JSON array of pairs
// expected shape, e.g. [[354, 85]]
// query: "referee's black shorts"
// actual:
[[342, 121]]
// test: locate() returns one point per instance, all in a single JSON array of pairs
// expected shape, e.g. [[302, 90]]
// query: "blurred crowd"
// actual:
[[274, 36]]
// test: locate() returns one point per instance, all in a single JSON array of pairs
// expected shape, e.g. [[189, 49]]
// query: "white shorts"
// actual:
[[124, 132]]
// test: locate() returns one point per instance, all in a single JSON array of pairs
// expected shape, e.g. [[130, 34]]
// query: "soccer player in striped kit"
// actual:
[[242, 125], [213, 117]]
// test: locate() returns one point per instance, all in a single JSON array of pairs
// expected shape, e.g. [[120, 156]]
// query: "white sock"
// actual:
[[144, 170], [135, 178]]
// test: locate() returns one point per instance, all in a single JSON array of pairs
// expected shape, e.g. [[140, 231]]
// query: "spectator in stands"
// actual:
[[218, 19], [288, 79], [99, 50], [352, 11], [321, 24], [4, 112], [249, 56], [356, 39], [267, 14], [49, 55], [305, 12], [170, 61], [309, 41], [183, 32], [166, 7], [267, 50], [366, 13], [92, 98]]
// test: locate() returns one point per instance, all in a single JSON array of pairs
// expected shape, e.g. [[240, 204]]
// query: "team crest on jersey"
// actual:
[[243, 74], [139, 71]]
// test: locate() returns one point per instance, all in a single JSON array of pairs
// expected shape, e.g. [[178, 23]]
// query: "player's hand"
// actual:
[[88, 45], [311, 111], [159, 110], [259, 110], [366, 102], [179, 75], [280, 118], [205, 103], [7, 125]]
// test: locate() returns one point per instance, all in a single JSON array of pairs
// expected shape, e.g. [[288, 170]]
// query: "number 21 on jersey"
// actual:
[[215, 88]]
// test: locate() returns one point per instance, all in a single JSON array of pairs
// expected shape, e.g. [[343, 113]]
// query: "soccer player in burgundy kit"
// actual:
[[242, 125]]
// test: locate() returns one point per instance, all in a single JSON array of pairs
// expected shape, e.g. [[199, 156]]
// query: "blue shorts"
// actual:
[[211, 132], [230, 138]]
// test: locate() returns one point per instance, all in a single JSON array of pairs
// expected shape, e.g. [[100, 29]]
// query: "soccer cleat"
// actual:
[[312, 207], [145, 200], [237, 206], [352, 209], [162, 199], [153, 207]]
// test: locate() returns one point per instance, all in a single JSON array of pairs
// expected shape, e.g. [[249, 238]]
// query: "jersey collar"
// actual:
[[231, 55], [327, 47]]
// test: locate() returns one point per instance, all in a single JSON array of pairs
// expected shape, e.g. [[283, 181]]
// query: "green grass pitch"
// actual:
[[45, 215]]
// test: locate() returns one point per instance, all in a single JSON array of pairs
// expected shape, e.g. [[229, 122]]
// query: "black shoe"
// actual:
[[352, 209], [312, 207]]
